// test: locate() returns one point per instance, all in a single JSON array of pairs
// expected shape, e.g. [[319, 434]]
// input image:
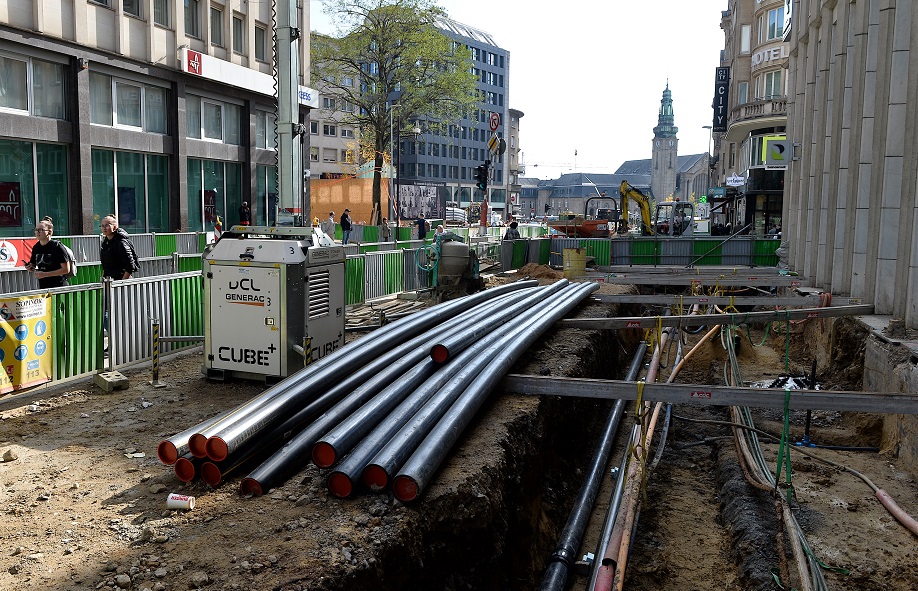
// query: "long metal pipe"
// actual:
[[246, 420], [361, 444], [569, 542], [170, 450], [426, 441], [292, 394], [383, 372]]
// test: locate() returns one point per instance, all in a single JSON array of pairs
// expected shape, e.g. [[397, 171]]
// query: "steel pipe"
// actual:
[[425, 442], [170, 450]]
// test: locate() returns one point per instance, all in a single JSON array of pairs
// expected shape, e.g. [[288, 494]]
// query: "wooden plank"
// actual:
[[712, 319], [706, 395]]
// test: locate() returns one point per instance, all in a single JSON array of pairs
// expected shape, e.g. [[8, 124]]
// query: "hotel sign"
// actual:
[[721, 99]]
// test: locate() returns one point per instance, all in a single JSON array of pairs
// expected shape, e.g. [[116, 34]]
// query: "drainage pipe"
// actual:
[[247, 419], [426, 441], [365, 361], [170, 450], [566, 551], [186, 467], [392, 382], [365, 433]]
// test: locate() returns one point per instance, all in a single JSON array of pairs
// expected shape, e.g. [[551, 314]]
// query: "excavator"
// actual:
[[673, 218]]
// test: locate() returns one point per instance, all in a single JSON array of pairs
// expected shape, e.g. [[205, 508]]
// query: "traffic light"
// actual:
[[481, 175]]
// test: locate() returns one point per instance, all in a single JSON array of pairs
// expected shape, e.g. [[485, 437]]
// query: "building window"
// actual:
[[154, 109], [347, 132], [329, 155], [772, 84], [238, 34], [131, 7], [47, 89], [260, 39], [128, 105], [192, 18], [328, 103], [347, 156], [775, 24], [23, 164], [742, 93], [133, 186], [216, 26], [213, 120], [329, 130], [14, 88], [214, 189], [161, 12], [313, 154], [106, 3], [745, 39], [314, 127], [265, 132], [347, 82]]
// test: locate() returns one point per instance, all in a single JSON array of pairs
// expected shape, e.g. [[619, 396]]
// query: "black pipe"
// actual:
[[422, 445], [386, 375], [290, 394], [569, 542], [170, 450], [616, 499]]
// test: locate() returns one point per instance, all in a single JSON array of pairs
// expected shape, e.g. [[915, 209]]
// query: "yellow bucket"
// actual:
[[574, 260]]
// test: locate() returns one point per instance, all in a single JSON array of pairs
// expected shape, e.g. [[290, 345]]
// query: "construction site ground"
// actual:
[[84, 495]]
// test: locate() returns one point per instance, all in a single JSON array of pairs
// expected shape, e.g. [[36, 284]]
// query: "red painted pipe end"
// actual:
[[197, 445], [439, 353], [323, 454], [340, 485], [216, 448], [375, 478], [250, 486], [167, 452], [184, 469], [405, 488], [211, 474]]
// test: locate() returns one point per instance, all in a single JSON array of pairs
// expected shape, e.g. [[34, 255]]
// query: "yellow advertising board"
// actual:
[[26, 347]]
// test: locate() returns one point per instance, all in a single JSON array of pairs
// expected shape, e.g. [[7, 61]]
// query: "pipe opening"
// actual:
[[375, 478], [323, 454], [184, 469], [197, 445], [216, 449], [340, 485]]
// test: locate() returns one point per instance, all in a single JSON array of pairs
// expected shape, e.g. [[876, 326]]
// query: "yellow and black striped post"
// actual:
[[155, 382], [307, 351]]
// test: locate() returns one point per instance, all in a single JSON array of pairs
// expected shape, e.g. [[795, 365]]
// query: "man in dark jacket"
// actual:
[[345, 226], [119, 260]]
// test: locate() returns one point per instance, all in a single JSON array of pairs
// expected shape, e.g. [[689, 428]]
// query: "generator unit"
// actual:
[[274, 301]]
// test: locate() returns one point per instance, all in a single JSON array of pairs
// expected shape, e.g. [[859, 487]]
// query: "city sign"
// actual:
[[494, 121], [721, 99], [736, 180], [776, 152]]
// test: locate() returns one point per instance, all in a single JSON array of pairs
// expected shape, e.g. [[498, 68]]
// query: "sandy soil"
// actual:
[[83, 499]]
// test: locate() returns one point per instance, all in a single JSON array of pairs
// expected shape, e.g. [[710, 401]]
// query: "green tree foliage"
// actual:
[[389, 54]]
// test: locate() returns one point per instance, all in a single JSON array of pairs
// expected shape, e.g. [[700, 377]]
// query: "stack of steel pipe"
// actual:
[[311, 386]]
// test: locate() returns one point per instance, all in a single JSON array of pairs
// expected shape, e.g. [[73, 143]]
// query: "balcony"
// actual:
[[762, 108]]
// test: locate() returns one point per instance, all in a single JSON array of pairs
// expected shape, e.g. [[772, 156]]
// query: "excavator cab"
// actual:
[[674, 218]]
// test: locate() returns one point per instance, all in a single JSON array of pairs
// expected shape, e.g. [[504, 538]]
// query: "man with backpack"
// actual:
[[119, 259], [50, 261]]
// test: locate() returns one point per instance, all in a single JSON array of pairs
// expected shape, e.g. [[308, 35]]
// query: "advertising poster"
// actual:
[[15, 252], [25, 342], [10, 205]]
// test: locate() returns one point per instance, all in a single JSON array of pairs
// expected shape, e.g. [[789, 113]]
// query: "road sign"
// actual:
[[495, 121], [493, 142]]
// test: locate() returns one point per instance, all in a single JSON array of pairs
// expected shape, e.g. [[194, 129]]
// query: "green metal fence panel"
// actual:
[[202, 242], [544, 250], [763, 253], [77, 318], [354, 277], [371, 233], [188, 263], [600, 249], [645, 251], [520, 249], [87, 273], [404, 233], [165, 245], [710, 249], [394, 279], [187, 308]]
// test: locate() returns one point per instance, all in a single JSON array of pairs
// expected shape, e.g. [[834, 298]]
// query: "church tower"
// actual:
[[665, 150]]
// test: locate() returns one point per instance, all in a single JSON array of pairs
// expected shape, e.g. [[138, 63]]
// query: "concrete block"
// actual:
[[111, 380]]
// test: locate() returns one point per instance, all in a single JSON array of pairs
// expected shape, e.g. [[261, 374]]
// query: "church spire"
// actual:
[[666, 121]]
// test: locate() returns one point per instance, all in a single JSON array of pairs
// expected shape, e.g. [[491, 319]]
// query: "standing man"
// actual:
[[119, 259], [245, 214], [345, 225], [49, 262], [423, 226]]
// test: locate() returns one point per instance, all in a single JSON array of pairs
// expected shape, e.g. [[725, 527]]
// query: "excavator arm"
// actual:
[[628, 192]]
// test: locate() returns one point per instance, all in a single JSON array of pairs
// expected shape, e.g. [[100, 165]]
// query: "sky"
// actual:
[[589, 74]]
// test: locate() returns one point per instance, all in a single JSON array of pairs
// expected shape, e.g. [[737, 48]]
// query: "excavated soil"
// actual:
[[83, 494]]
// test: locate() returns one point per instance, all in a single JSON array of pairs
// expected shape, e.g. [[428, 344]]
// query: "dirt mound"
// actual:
[[539, 272]]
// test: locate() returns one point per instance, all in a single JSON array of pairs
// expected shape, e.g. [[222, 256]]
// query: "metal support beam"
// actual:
[[709, 280], [706, 395], [712, 319], [764, 300]]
